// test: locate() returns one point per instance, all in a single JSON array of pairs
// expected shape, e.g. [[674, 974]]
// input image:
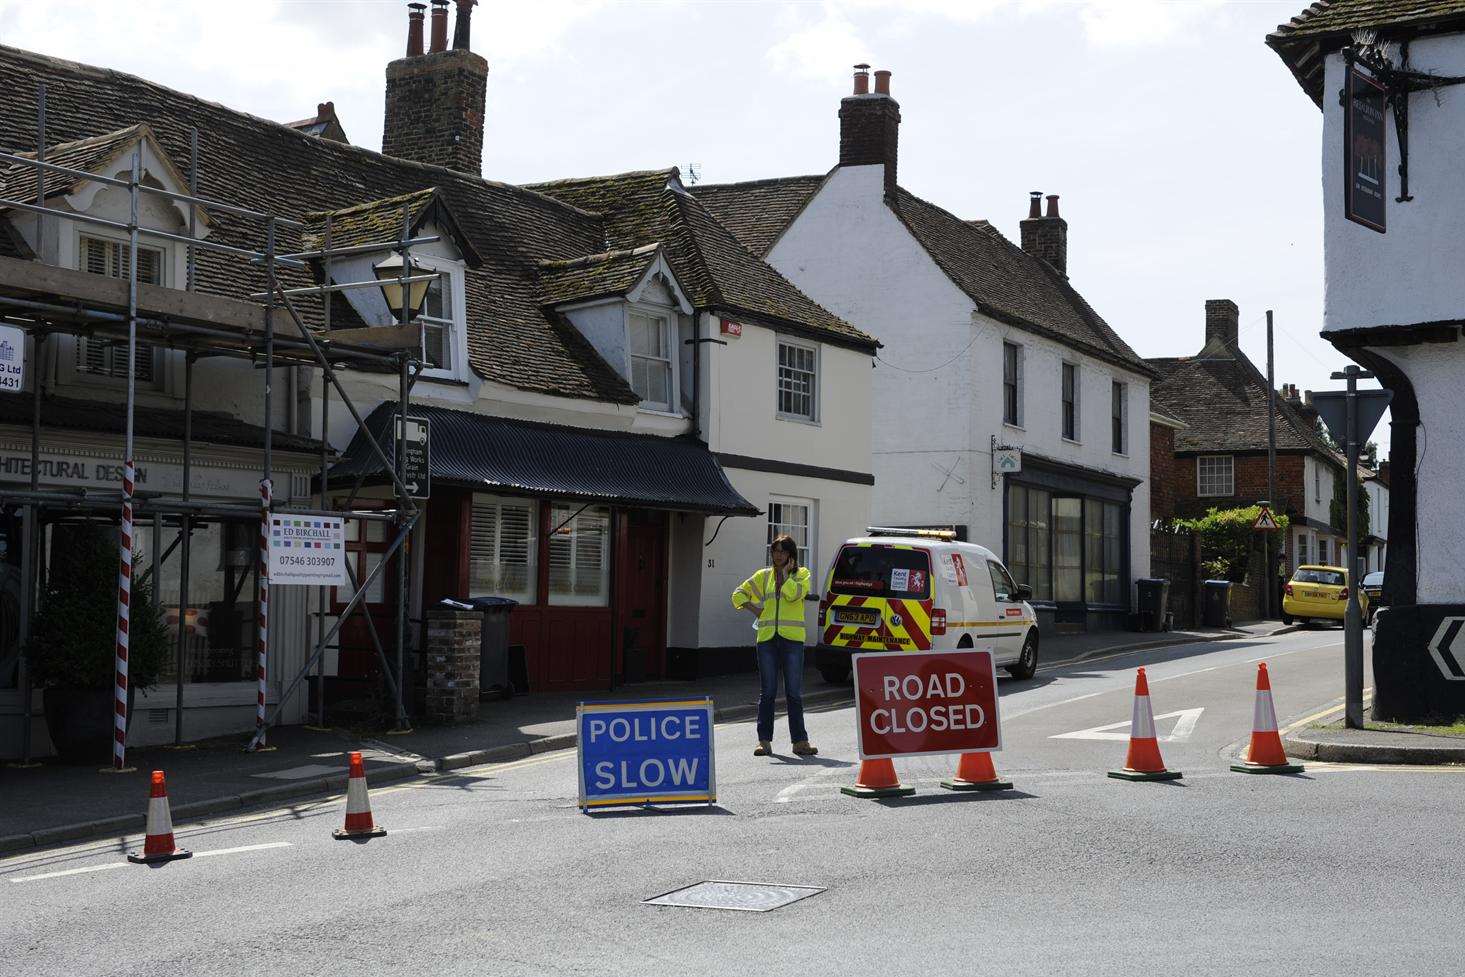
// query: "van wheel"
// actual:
[[835, 674], [1027, 662], [965, 642]]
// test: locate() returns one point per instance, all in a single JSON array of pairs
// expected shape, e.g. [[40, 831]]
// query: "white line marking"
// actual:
[[112, 865], [233, 851], [404, 831], [1184, 726]]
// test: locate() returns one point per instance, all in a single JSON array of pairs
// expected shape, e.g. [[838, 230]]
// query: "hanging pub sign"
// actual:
[[1364, 101]]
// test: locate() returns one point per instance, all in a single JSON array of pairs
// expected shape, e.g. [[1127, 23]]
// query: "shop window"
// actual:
[[579, 556], [219, 625], [503, 548], [1029, 552], [1103, 550], [794, 517], [1068, 549]]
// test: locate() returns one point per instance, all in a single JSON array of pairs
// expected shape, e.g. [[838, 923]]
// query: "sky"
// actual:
[[1187, 159]]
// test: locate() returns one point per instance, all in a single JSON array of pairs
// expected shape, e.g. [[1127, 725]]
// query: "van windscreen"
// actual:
[[882, 571]]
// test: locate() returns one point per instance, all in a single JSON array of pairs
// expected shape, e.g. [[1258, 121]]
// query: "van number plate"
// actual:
[[856, 616]]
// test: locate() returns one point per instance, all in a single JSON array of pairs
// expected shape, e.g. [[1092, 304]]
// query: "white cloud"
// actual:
[[811, 45]]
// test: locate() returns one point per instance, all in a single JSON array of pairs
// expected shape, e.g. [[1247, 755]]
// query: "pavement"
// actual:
[[53, 802], [1334, 743], [493, 870]]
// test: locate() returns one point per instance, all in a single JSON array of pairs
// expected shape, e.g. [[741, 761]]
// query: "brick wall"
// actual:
[[1164, 472], [869, 132], [451, 664], [1250, 479], [434, 110]]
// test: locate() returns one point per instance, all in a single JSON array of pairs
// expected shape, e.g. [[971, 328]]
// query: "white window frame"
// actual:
[[1200, 476], [531, 593], [572, 528], [457, 339], [81, 233], [1119, 390], [809, 551], [1303, 550], [1019, 368], [1317, 482], [1077, 437], [669, 334], [813, 416]]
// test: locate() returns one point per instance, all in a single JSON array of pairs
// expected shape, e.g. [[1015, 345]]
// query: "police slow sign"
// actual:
[[656, 751], [925, 703]]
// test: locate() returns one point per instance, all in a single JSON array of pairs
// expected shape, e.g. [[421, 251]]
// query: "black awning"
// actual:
[[523, 457]]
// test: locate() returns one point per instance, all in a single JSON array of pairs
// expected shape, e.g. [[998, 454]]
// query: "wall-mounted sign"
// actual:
[[307, 550], [646, 752], [730, 328], [12, 359], [1364, 148]]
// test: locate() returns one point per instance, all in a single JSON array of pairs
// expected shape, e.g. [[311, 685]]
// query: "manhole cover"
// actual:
[[753, 897]]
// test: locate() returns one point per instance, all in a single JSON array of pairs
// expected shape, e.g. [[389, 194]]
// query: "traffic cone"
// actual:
[[358, 806], [877, 779], [1143, 761], [158, 846], [974, 771], [1265, 753]]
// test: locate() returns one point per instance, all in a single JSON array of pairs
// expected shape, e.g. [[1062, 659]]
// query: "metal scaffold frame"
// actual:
[[74, 315]]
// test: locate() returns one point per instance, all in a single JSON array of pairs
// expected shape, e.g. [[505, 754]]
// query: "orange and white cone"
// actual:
[[1143, 762], [974, 771], [159, 845], [1265, 753], [877, 779], [358, 806]]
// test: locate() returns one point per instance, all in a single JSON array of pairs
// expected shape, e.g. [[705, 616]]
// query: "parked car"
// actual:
[[1373, 589], [1317, 593], [921, 590]]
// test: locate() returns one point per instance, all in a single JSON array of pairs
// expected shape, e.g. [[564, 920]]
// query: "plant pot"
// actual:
[[81, 722]]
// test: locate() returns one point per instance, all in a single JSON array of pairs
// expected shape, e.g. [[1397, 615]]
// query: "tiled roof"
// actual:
[[18, 181], [381, 220], [1222, 398], [1002, 279], [1327, 25], [757, 211], [714, 267], [593, 276]]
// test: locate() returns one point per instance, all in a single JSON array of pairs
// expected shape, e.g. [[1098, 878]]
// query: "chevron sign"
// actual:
[[1447, 654]]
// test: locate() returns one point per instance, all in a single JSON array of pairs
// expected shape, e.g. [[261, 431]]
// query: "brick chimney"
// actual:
[[869, 125], [1046, 235], [435, 100], [1223, 321]]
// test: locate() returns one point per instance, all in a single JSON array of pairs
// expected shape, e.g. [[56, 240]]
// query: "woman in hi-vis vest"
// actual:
[[775, 597]]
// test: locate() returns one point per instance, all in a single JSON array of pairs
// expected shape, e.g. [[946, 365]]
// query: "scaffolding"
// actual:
[[46, 301]]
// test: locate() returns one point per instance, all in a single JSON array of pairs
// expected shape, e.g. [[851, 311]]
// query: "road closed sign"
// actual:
[[656, 751], [926, 703]]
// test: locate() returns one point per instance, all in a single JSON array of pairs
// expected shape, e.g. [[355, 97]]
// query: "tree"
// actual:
[[1227, 539], [1370, 455], [1338, 508]]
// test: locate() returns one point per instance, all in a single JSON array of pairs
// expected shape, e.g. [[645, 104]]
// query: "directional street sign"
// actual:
[[1185, 720], [1447, 649], [416, 472], [1265, 521]]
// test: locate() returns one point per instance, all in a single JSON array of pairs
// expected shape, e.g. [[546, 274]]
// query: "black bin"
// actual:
[[1154, 597], [493, 650], [1216, 603]]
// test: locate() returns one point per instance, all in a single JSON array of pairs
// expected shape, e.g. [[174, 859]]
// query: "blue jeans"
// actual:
[[786, 655]]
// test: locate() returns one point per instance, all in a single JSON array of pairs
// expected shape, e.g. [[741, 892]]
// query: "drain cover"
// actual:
[[753, 897]]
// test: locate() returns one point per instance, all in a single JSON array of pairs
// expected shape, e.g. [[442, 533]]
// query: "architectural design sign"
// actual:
[[648, 751], [923, 703], [12, 359], [307, 550], [1364, 143]]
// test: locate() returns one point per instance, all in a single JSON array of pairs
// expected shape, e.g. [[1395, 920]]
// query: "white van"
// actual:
[[921, 590]]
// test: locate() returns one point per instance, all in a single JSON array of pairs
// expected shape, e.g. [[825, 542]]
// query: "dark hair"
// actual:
[[785, 542]]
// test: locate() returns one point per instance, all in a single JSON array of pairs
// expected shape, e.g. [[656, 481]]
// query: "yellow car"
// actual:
[[1318, 593]]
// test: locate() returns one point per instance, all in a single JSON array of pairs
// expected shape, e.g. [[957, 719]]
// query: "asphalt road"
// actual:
[[494, 870]]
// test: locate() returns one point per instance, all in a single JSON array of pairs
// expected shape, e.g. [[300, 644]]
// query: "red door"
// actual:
[[642, 597]]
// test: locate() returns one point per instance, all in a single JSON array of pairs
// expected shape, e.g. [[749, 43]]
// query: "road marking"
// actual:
[[1324, 713], [111, 865], [1185, 720], [406, 831]]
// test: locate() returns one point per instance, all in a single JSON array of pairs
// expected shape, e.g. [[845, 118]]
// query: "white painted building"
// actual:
[[984, 344], [1394, 300]]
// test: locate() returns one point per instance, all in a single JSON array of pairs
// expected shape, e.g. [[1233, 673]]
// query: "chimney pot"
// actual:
[[882, 83], [324, 110], [1035, 205], [862, 79], [439, 37], [869, 128], [461, 24], [414, 29], [1046, 237], [1053, 205]]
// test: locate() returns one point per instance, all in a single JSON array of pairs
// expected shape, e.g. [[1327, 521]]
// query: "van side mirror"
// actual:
[[1022, 592]]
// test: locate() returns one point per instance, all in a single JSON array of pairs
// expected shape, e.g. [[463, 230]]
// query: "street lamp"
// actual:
[[390, 274]]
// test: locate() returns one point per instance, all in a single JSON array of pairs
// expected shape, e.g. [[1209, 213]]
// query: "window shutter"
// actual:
[[483, 547]]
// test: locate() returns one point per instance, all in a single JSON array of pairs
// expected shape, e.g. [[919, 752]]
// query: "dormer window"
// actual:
[[651, 372], [438, 325], [104, 256]]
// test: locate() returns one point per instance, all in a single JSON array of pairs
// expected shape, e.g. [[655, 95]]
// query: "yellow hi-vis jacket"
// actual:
[[783, 607]]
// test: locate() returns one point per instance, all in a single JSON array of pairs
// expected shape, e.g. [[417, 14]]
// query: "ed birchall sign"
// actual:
[[924, 703], [656, 751]]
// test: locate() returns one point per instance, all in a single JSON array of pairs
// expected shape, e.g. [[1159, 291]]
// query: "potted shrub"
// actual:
[[73, 645]]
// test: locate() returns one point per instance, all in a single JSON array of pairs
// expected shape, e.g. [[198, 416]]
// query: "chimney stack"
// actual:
[[439, 36], [435, 101], [1223, 320], [414, 29], [1046, 236], [869, 125]]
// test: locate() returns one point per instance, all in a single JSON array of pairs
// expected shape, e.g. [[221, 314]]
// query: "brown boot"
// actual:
[[805, 748], [764, 749]]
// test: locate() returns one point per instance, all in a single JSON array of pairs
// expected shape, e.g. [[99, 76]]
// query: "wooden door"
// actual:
[[642, 596]]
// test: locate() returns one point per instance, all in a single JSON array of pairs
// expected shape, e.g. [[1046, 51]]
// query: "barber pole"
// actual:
[[265, 497], [124, 609]]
